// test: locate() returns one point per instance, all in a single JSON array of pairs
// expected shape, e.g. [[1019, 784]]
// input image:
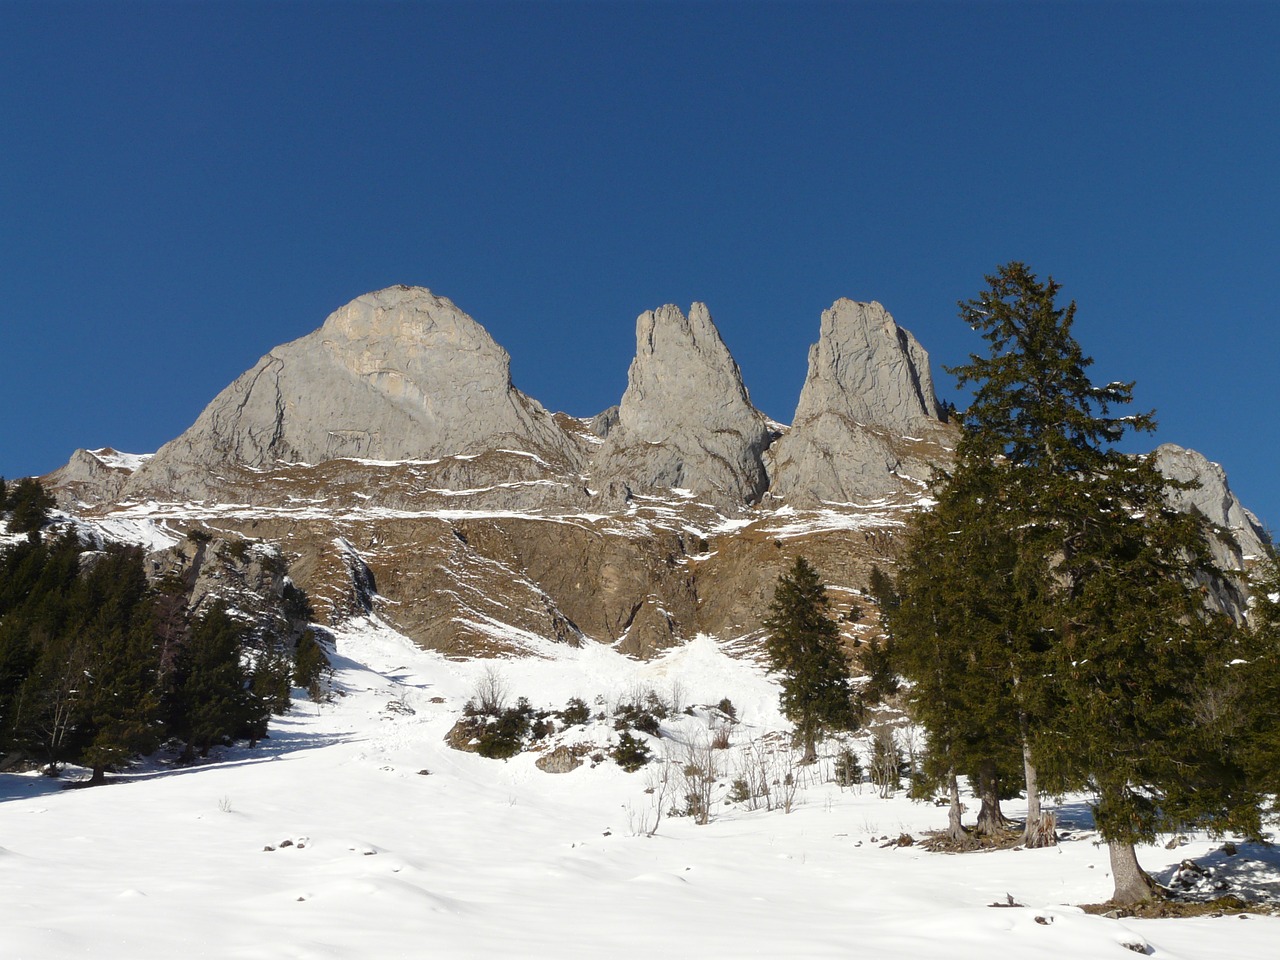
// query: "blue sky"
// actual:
[[186, 185]]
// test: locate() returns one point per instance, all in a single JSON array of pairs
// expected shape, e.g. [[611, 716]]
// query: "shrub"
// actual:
[[848, 771], [504, 734], [575, 712], [630, 753], [726, 707]]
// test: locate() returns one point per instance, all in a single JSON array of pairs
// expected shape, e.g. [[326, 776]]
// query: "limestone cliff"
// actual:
[[398, 374], [685, 420], [867, 402]]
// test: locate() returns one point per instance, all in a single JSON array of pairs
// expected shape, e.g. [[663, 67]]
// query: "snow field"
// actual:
[[485, 858]]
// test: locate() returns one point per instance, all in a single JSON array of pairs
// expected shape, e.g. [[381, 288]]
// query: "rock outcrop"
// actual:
[[1241, 534], [389, 461], [398, 374], [867, 401], [685, 420], [93, 476]]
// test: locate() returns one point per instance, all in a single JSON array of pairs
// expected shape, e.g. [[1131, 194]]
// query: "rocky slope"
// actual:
[[391, 459]]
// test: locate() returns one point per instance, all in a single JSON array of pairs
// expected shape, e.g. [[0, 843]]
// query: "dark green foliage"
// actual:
[[1246, 697], [1033, 402], [803, 645], [575, 712], [847, 771], [879, 665], [271, 678], [1048, 606], [504, 735], [630, 753], [641, 712], [310, 664], [211, 701], [726, 707], [297, 605], [639, 719], [98, 666], [29, 504]]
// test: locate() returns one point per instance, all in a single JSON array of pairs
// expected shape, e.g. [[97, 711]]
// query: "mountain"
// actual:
[[390, 457]]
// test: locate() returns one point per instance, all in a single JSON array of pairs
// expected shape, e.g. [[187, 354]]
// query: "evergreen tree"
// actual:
[[211, 701], [954, 629], [1087, 589], [803, 645], [29, 503], [121, 706]]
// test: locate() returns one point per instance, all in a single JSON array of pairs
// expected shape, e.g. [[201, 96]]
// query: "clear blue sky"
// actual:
[[185, 185]]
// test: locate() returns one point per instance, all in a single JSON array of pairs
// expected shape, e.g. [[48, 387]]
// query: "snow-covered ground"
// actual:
[[374, 857]]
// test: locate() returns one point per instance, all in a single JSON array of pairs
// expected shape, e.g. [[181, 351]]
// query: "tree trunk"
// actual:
[[810, 745], [955, 829], [991, 822], [1132, 885], [1040, 829], [99, 776]]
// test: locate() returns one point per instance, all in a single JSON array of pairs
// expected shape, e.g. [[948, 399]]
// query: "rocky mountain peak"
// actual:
[[397, 374], [412, 328], [685, 420], [867, 368], [1212, 498], [867, 398]]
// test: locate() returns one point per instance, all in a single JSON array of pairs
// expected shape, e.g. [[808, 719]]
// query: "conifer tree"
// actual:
[[950, 625], [1092, 600], [803, 645], [29, 503], [211, 701]]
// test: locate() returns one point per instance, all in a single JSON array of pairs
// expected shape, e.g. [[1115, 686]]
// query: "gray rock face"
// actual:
[[91, 477], [685, 420], [868, 391], [397, 374], [1213, 498]]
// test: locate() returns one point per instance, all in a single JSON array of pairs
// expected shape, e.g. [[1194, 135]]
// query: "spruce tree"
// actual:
[[959, 634], [29, 503], [803, 645], [211, 700], [1090, 597]]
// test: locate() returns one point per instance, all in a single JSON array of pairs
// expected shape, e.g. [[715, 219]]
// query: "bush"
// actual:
[[848, 771], [726, 707], [631, 754], [310, 664], [575, 712], [504, 734]]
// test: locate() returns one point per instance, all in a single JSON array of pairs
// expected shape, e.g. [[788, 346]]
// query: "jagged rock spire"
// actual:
[[868, 386], [685, 420]]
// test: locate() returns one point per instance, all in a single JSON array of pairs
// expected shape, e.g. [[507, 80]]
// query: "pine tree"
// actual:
[[803, 645], [211, 700], [29, 503], [955, 628], [1090, 595], [121, 705]]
